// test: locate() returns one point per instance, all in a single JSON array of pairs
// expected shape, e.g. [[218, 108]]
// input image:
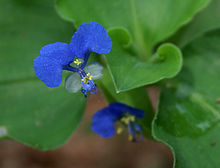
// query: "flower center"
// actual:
[[87, 83], [134, 129], [77, 62], [127, 119], [87, 78]]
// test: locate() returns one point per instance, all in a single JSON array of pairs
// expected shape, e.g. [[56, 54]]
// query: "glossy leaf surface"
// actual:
[[188, 117]]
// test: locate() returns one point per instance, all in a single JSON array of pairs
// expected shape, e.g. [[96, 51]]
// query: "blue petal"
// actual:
[[122, 108], [59, 53], [90, 37], [136, 112], [48, 72], [103, 123]]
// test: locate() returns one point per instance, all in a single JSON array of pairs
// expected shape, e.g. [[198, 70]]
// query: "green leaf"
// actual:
[[130, 72], [206, 20], [38, 116], [136, 98], [32, 113], [147, 23], [188, 117], [25, 28]]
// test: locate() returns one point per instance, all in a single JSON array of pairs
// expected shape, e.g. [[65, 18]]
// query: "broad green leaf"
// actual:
[[206, 20], [188, 117], [26, 26], [147, 22], [130, 72], [136, 98], [38, 116], [32, 113]]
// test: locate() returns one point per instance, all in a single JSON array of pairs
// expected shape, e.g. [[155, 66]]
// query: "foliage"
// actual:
[[172, 44], [31, 112]]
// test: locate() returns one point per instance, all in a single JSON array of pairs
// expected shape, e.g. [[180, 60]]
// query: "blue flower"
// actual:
[[103, 121], [56, 57]]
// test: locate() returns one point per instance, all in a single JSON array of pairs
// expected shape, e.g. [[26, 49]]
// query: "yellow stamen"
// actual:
[[119, 130], [132, 118], [128, 119], [125, 120], [89, 76], [130, 138], [77, 62], [85, 79]]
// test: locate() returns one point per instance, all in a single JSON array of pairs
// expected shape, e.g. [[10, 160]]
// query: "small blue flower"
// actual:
[[103, 121], [56, 57]]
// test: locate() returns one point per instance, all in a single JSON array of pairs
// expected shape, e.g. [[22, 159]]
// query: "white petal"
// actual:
[[95, 69], [73, 83]]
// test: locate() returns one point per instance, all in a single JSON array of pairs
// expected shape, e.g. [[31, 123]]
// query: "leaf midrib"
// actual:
[[144, 50]]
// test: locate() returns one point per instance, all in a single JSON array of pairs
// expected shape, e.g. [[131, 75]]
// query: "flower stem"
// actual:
[[70, 68]]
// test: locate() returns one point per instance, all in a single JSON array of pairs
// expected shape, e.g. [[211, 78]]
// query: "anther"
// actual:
[[119, 130], [77, 62], [128, 119], [130, 138], [85, 79], [125, 120], [89, 76], [132, 118]]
